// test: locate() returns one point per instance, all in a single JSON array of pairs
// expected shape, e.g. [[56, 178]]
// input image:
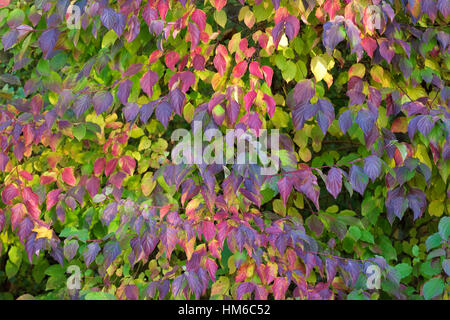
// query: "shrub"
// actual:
[[93, 91]]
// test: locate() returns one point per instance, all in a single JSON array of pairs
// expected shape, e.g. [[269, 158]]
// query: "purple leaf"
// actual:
[[334, 181], [194, 33], [9, 193], [243, 288], [365, 119], [292, 27], [372, 167], [102, 101], [9, 39], [81, 104], [345, 120], [396, 203], [132, 292], [331, 265], [109, 213], [417, 202], [325, 114], [108, 18], [147, 82], [130, 112], [303, 92], [146, 111], [70, 249], [232, 111], [163, 112], [124, 90], [358, 179], [111, 251], [424, 124], [176, 98], [285, 187], [47, 41], [91, 253], [333, 33]]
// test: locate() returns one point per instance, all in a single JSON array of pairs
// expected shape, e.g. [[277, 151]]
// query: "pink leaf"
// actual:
[[220, 63], [199, 17], [285, 187], [270, 104], [249, 98], [240, 69], [147, 82], [171, 59], [255, 69], [99, 165], [268, 73], [9, 193], [68, 177], [92, 185], [209, 230], [52, 198]]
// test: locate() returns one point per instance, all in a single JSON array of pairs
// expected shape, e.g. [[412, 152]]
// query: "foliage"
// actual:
[[358, 88]]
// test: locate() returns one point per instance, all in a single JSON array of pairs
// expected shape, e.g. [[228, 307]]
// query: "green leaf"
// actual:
[[355, 232], [99, 296], [79, 131], [403, 269], [433, 241], [444, 228], [432, 288]]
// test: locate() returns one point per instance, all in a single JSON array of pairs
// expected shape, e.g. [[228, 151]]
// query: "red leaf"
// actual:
[[171, 60], [128, 164], [68, 177], [279, 288], [369, 45], [110, 166], [240, 69], [99, 165], [52, 198], [9, 193], [219, 4]]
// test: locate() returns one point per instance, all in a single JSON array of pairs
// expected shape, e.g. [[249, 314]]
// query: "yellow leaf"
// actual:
[[436, 208], [145, 143], [422, 155], [319, 67], [42, 232], [357, 70]]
